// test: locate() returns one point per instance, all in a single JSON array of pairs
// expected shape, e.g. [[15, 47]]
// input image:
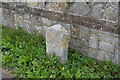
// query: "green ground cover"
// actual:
[[24, 55]]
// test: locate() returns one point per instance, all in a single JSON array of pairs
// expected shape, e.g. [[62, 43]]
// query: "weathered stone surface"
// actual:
[[118, 57], [38, 29], [73, 43], [110, 11], [1, 17], [84, 32], [106, 46], [32, 4], [93, 52], [57, 39], [93, 41], [96, 2], [66, 26], [109, 56], [45, 29], [27, 26], [78, 43], [108, 38], [46, 22], [84, 50], [8, 17], [97, 11], [57, 6], [41, 5], [18, 20], [79, 8], [101, 55], [75, 31], [26, 16], [116, 54]]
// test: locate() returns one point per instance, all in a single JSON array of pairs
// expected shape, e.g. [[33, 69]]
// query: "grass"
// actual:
[[24, 55]]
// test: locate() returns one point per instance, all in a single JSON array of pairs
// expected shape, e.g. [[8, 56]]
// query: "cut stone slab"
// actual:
[[97, 11], [57, 6], [57, 39], [110, 11], [79, 8]]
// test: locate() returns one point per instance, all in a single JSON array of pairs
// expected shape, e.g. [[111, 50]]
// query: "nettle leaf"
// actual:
[[35, 63]]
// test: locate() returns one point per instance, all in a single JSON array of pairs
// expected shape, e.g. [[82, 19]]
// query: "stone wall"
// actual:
[[93, 25]]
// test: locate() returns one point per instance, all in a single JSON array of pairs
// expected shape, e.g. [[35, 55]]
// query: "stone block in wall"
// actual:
[[119, 51], [41, 5], [57, 39], [79, 44], [79, 8], [38, 29], [26, 16], [27, 26], [109, 57], [36, 20], [106, 46], [66, 26], [110, 11], [84, 50], [84, 32], [119, 57], [1, 17], [32, 4], [117, 54], [44, 29], [93, 41], [93, 53], [103, 55], [18, 19], [74, 43], [75, 31], [108, 37], [97, 11], [57, 6], [46, 22], [8, 17]]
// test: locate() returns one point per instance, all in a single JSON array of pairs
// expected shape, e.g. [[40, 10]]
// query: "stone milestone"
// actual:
[[57, 39]]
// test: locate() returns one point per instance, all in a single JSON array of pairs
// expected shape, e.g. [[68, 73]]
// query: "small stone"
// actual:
[[57, 39]]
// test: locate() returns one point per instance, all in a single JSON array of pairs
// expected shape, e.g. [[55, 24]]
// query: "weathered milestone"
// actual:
[[57, 39], [93, 27]]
